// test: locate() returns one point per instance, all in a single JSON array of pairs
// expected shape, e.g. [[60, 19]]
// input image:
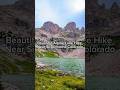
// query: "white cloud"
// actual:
[[76, 6], [60, 13], [44, 12]]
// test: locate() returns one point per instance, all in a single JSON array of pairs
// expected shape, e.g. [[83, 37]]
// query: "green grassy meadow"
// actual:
[[51, 80], [12, 65]]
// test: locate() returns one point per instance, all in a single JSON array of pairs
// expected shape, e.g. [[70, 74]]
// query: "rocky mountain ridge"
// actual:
[[54, 28], [16, 22], [70, 33]]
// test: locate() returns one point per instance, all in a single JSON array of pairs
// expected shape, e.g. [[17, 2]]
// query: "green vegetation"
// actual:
[[50, 54], [116, 41], [53, 80], [27, 66], [38, 53], [12, 65]]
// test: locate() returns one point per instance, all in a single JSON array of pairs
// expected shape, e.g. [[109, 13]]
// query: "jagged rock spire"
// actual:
[[71, 26], [115, 6]]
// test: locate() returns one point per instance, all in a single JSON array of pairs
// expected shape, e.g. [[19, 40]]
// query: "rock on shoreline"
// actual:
[[40, 65]]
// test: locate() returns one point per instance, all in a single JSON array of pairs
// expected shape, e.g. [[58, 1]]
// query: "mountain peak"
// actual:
[[51, 27], [71, 26]]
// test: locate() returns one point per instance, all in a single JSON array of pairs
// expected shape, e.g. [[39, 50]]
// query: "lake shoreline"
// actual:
[[70, 66], [64, 74], [58, 72]]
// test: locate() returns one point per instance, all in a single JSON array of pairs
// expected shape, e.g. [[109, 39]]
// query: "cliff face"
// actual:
[[71, 26], [52, 28], [17, 19], [104, 19], [103, 22], [16, 22], [70, 33]]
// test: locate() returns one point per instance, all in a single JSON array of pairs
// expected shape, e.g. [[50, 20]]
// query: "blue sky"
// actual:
[[60, 12]]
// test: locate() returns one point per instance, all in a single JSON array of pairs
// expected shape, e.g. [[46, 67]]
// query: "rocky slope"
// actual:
[[70, 33], [16, 21]]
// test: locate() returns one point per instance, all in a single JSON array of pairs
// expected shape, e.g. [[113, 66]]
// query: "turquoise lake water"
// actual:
[[70, 65]]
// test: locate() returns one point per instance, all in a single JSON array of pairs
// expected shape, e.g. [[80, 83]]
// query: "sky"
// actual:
[[5, 2], [60, 12]]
